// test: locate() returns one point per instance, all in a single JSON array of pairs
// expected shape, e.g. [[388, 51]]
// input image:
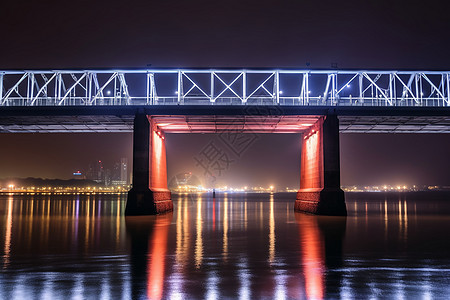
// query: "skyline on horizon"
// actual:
[[403, 160]]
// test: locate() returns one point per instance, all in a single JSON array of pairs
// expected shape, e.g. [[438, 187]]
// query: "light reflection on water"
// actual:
[[235, 246]]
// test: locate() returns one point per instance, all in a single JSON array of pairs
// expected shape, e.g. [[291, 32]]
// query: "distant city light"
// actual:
[[186, 188]]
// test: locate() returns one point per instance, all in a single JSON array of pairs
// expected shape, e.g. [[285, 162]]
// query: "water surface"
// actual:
[[247, 246]]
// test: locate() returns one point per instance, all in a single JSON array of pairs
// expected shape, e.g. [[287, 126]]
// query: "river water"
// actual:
[[236, 246]]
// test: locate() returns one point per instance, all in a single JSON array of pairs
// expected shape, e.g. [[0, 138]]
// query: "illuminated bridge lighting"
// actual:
[[254, 124], [224, 87]]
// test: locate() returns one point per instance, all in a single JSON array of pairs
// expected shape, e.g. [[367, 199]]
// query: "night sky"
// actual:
[[294, 34]]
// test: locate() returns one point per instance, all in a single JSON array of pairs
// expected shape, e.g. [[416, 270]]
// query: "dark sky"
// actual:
[[351, 33], [110, 34]]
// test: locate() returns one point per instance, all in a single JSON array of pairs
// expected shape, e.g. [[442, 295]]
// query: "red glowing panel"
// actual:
[[158, 166], [213, 124], [311, 163]]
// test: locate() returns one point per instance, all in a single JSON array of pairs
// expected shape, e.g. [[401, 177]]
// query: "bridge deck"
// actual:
[[208, 119]]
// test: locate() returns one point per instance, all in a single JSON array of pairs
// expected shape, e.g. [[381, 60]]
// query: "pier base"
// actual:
[[148, 202], [321, 202]]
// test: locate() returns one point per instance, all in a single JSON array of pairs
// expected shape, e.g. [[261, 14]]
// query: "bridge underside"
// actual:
[[219, 123], [55, 119]]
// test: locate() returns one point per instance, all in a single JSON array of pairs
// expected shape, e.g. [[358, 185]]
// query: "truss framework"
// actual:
[[224, 87]]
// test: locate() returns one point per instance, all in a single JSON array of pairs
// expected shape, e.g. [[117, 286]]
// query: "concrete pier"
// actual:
[[149, 194], [320, 192]]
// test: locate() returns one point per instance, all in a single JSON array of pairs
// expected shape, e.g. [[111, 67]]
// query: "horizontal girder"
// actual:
[[221, 123], [218, 124]]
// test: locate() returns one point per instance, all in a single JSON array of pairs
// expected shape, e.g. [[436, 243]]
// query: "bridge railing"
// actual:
[[224, 87], [313, 101]]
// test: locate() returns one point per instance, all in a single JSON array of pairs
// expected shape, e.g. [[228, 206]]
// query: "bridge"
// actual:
[[317, 103]]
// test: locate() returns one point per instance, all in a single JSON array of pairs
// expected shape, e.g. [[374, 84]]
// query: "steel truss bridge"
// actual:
[[203, 100], [224, 87]]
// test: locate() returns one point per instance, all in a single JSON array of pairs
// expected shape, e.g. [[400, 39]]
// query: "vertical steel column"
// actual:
[[148, 88], [244, 87], [180, 83], [90, 88], [421, 89], [59, 85], [152, 89], [361, 99], [57, 100], [391, 89], [30, 83], [121, 91], [1, 88], [333, 89], [277, 86], [307, 87], [115, 90], [448, 90], [416, 80], [211, 99], [327, 88], [86, 88]]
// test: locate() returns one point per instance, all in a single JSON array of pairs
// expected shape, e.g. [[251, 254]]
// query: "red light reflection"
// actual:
[[214, 214], [157, 253], [313, 257]]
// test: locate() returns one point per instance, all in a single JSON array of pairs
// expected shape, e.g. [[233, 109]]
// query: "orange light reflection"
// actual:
[[313, 257], [158, 249], [7, 247], [214, 214]]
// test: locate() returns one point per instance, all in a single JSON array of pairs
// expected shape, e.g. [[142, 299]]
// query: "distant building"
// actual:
[[120, 172], [96, 172], [108, 177], [117, 175], [124, 170]]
